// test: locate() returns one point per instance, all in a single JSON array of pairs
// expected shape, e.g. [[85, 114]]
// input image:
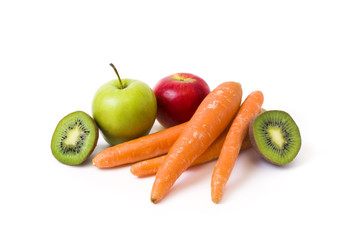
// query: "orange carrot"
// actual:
[[150, 167], [146, 147], [230, 150], [210, 119]]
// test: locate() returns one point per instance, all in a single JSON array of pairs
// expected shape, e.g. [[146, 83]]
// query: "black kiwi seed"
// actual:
[[275, 136], [74, 138]]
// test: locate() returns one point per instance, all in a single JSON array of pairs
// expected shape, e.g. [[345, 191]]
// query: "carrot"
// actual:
[[146, 147], [230, 150], [150, 167], [210, 119]]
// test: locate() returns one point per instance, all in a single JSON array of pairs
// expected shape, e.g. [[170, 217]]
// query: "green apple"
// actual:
[[124, 109]]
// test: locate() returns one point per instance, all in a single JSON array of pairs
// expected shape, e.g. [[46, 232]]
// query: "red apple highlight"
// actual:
[[178, 96]]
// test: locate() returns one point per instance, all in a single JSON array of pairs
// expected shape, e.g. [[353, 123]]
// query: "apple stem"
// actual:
[[121, 85]]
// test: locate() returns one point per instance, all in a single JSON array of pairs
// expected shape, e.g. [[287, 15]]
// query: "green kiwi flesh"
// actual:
[[275, 136], [74, 138]]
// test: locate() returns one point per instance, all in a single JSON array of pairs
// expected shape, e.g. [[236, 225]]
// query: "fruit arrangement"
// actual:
[[200, 126]]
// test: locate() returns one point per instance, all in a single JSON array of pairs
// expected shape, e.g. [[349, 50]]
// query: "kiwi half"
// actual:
[[74, 138], [275, 136]]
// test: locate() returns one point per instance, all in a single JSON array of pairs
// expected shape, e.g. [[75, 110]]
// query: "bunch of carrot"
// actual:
[[218, 129]]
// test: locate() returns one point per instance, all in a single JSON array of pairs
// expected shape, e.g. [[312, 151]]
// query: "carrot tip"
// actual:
[[154, 200], [216, 200]]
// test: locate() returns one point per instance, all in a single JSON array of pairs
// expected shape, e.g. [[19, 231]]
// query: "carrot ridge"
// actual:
[[232, 145]]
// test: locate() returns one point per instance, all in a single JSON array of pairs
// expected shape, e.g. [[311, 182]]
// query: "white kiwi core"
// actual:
[[277, 136], [73, 136]]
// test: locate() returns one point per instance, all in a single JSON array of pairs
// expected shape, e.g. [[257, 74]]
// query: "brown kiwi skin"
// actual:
[[96, 137], [253, 142]]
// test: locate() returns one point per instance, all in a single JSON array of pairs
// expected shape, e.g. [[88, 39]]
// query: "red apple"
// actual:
[[178, 97]]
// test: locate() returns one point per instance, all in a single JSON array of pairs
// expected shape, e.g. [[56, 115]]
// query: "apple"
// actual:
[[178, 96], [124, 109]]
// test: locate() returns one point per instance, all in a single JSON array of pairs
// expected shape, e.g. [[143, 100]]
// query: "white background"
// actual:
[[303, 55]]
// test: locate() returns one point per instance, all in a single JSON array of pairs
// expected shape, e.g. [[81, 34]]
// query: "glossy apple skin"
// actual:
[[178, 96], [124, 114]]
